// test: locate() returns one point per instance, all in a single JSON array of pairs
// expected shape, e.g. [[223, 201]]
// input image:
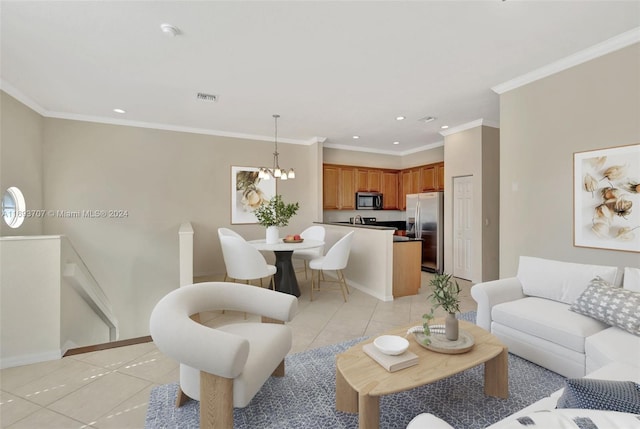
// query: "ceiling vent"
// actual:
[[427, 119], [211, 98]]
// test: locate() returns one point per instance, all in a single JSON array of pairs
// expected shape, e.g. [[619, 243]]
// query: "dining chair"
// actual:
[[245, 262], [223, 367], [226, 232], [315, 232], [336, 259]]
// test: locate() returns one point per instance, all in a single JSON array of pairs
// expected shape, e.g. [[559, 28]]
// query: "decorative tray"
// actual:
[[440, 344], [293, 241]]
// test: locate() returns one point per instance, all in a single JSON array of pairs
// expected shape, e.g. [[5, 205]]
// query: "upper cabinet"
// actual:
[[338, 187], [341, 182]]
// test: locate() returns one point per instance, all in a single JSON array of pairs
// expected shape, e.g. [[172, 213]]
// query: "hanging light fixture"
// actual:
[[276, 172]]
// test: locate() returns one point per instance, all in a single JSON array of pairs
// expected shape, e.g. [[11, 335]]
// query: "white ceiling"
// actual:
[[330, 69]]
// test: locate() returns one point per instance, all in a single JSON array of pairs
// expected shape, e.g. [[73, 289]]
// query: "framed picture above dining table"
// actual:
[[248, 192]]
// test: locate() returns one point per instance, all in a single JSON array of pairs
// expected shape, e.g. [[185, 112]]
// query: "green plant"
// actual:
[[444, 293], [275, 212]]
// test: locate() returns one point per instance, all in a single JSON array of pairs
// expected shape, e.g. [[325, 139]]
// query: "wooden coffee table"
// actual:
[[360, 381]]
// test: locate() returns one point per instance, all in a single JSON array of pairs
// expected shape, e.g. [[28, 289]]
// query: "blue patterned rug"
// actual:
[[305, 397]]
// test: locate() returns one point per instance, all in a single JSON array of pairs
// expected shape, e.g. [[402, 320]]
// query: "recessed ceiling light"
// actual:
[[444, 127], [356, 137], [396, 142], [170, 30], [427, 119], [400, 118], [119, 111]]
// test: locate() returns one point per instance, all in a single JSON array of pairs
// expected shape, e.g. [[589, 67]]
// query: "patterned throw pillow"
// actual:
[[611, 305], [573, 419], [594, 394]]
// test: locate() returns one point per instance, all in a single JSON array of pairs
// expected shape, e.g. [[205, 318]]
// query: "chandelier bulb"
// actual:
[[292, 174]]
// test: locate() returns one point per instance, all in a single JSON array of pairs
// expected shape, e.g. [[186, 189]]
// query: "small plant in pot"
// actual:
[[274, 214], [444, 293]]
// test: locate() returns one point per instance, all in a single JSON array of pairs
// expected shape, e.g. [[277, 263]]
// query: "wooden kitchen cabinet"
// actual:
[[407, 268], [368, 180], [440, 176], [390, 190], [428, 178], [338, 187]]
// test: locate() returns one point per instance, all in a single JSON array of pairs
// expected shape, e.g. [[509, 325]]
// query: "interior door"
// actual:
[[462, 226]]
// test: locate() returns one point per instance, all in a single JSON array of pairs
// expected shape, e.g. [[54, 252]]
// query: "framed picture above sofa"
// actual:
[[607, 198]]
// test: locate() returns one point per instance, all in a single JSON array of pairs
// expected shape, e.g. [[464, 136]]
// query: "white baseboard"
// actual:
[[10, 362]]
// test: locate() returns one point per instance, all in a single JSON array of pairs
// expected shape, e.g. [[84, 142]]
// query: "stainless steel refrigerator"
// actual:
[[425, 214]]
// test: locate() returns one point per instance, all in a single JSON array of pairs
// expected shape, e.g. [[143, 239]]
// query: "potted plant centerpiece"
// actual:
[[274, 214], [444, 293]]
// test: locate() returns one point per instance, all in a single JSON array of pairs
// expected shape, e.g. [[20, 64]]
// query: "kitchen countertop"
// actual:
[[396, 238]]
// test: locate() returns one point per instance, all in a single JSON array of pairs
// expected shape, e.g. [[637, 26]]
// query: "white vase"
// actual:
[[451, 327], [272, 234]]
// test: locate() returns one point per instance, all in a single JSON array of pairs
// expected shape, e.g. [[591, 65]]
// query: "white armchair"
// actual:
[[223, 367]]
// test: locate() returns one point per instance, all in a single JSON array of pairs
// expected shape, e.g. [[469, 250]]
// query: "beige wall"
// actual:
[[160, 178], [474, 152], [349, 157], [591, 106], [21, 159]]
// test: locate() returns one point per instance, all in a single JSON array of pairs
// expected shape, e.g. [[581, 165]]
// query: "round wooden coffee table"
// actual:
[[360, 381]]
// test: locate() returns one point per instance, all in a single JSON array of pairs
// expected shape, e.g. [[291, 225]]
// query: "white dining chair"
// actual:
[[245, 262], [226, 232], [315, 232], [336, 260]]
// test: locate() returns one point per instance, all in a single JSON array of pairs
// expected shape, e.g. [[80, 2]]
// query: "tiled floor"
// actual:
[[110, 389]]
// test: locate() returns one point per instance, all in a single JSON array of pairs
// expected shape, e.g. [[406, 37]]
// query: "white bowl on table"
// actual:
[[391, 344]]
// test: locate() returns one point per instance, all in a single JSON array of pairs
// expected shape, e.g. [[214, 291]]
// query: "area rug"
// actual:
[[305, 397]]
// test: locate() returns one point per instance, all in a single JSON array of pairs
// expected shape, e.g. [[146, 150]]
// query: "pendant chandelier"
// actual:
[[276, 172]]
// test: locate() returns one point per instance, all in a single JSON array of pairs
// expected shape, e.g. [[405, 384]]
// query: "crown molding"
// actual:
[[610, 45], [18, 95], [469, 125], [384, 152]]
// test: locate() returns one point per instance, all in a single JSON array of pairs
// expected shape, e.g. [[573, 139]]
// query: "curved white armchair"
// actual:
[[223, 367], [315, 232], [336, 259], [245, 262]]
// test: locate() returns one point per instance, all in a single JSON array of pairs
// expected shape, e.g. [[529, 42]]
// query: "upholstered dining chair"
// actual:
[[245, 262], [223, 367], [336, 259], [315, 232], [226, 232]]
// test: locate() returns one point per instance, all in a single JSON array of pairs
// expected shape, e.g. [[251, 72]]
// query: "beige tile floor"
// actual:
[[110, 388]]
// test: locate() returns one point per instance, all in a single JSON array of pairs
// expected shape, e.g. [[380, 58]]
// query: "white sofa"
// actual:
[[531, 314]]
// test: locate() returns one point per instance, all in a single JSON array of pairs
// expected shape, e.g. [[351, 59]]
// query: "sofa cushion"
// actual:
[[612, 305], [547, 319], [631, 279], [559, 281], [572, 419], [593, 394], [612, 345]]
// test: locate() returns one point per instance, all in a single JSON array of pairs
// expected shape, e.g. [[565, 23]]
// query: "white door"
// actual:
[[462, 231]]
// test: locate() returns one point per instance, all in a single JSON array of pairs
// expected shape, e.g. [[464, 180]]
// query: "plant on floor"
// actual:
[[275, 212]]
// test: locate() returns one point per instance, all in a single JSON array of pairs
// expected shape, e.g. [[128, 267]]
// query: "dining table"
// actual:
[[285, 277]]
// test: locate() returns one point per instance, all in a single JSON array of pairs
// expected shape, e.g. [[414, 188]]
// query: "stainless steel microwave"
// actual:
[[368, 201]]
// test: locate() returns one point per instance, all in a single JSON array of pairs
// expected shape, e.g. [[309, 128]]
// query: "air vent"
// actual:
[[427, 119], [211, 98]]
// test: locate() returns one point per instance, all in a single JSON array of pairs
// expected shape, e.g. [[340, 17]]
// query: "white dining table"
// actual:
[[285, 277]]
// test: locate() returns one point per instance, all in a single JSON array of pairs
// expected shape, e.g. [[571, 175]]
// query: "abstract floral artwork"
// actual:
[[247, 193], [607, 198]]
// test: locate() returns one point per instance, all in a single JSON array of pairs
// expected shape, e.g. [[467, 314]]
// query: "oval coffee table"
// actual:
[[361, 381]]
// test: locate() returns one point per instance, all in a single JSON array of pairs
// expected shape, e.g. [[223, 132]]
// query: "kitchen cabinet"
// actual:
[[428, 181], [368, 180], [390, 190], [440, 175], [410, 184], [338, 187], [407, 272]]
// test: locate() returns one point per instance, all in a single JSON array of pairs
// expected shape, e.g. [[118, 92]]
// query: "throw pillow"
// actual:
[[572, 419], [609, 304], [631, 279], [557, 280], [594, 394]]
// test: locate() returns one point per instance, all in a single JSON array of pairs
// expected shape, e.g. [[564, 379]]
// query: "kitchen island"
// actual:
[[377, 265]]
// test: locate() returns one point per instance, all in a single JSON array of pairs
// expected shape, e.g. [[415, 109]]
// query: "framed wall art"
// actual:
[[607, 198], [247, 193]]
